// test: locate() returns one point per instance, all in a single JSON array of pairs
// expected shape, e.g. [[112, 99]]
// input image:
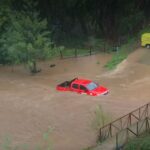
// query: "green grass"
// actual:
[[116, 59], [122, 53], [140, 143]]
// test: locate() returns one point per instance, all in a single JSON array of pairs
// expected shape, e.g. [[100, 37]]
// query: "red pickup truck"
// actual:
[[82, 86]]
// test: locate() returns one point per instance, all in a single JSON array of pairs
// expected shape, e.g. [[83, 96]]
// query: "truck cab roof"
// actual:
[[82, 81]]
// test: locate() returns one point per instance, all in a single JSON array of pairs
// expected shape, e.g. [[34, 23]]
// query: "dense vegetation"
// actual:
[[140, 143], [31, 31], [113, 20], [25, 37]]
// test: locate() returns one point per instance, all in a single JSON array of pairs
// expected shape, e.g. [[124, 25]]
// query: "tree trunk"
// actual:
[[34, 67]]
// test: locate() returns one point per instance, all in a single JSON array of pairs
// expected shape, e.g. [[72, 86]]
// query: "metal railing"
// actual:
[[132, 124]]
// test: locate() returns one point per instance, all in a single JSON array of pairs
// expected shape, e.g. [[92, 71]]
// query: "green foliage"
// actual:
[[4, 11], [70, 41], [76, 25], [27, 38], [116, 59], [73, 21], [144, 30], [129, 23], [140, 143], [4, 20]]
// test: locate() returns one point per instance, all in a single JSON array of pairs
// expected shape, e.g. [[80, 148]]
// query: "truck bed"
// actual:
[[65, 86]]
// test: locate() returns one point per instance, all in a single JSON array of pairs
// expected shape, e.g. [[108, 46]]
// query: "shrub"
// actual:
[[100, 118]]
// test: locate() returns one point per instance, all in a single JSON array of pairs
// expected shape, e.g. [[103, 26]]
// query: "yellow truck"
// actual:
[[145, 40]]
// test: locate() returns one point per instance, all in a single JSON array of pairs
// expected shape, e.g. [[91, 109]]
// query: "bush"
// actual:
[[100, 118], [140, 143]]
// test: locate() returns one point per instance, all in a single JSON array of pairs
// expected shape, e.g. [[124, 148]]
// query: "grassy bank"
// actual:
[[121, 53], [124, 50]]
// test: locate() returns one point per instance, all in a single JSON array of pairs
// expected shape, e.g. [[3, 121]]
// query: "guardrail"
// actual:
[[132, 124]]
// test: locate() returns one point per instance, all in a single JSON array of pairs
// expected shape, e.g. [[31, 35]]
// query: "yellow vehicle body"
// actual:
[[145, 40]]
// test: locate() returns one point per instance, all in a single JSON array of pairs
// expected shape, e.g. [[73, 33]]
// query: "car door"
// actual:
[[83, 89], [75, 87]]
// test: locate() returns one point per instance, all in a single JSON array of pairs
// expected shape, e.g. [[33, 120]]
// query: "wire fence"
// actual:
[[74, 53], [126, 127], [78, 53]]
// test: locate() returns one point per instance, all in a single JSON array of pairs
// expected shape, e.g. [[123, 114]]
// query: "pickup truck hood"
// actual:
[[100, 90]]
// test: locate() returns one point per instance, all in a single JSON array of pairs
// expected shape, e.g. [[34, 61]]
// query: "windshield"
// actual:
[[92, 86]]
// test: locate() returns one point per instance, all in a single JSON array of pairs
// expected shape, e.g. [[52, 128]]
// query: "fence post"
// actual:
[[147, 124], [129, 119], [137, 129], [147, 110], [140, 113], [127, 136], [121, 123], [110, 130], [100, 134], [117, 145]]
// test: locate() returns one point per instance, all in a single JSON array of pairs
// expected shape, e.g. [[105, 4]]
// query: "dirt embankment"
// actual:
[[29, 105]]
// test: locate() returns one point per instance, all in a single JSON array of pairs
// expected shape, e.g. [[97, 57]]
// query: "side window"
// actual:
[[75, 86], [83, 88]]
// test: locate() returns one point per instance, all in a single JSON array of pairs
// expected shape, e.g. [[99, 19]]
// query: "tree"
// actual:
[[27, 38], [4, 21]]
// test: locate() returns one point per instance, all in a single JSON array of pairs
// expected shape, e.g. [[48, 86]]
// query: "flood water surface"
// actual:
[[30, 105]]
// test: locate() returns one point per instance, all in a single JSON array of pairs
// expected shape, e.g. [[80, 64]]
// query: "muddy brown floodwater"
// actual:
[[30, 105]]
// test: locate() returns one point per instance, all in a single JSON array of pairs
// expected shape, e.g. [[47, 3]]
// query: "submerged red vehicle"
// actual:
[[82, 86]]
